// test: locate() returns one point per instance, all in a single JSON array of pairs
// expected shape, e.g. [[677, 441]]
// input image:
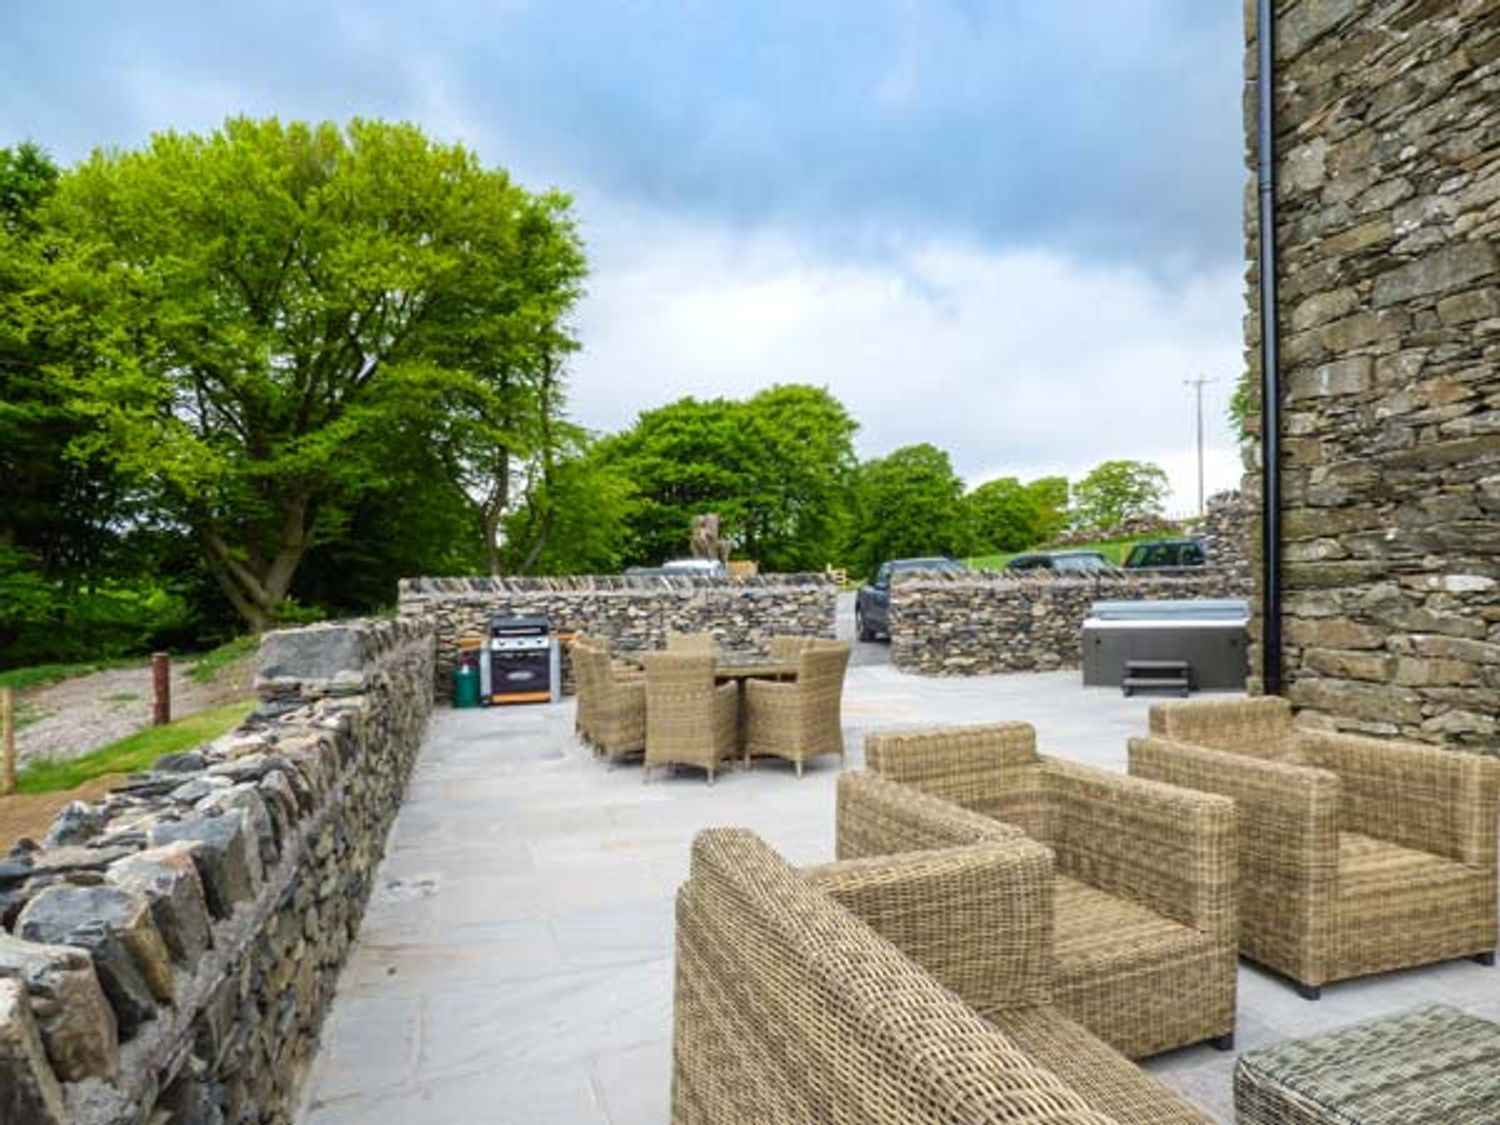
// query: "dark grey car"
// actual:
[[872, 605]]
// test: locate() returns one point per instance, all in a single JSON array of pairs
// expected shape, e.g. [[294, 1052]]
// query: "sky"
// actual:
[[1010, 228]]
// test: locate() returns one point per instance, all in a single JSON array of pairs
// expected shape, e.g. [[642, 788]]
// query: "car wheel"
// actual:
[[864, 631]]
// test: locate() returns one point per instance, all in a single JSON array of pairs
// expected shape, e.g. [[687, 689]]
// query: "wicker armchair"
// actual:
[[1145, 948], [611, 710], [1357, 855], [699, 643], [803, 719], [865, 991], [689, 720], [790, 648]]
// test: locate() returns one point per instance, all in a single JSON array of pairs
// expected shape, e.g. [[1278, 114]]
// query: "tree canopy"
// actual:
[[1117, 492], [907, 504], [265, 322]]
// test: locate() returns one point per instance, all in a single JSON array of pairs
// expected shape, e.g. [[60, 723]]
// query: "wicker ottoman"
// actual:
[[1431, 1066]]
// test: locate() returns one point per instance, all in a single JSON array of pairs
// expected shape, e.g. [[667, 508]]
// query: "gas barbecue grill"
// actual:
[[520, 662]]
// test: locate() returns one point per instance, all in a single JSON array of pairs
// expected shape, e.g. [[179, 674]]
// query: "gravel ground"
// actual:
[[88, 712]]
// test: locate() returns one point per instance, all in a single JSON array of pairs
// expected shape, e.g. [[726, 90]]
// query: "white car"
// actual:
[[697, 568]]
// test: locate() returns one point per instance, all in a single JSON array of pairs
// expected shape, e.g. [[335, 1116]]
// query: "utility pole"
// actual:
[[1198, 384]]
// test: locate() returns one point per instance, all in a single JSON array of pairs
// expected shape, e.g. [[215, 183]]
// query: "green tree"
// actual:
[[1119, 491], [1050, 497], [1003, 516], [260, 319], [576, 521], [907, 504], [776, 468], [797, 504]]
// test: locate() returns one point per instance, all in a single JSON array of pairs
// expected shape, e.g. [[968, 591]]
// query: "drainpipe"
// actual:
[[1270, 390]]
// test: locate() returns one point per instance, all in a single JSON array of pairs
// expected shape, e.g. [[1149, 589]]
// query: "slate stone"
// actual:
[[116, 928], [77, 1024], [168, 878], [221, 847], [75, 824], [28, 1087], [13, 872], [248, 801], [184, 761], [311, 654], [74, 857]]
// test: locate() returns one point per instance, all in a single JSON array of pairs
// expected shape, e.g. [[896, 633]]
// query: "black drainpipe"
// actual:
[[1270, 389]]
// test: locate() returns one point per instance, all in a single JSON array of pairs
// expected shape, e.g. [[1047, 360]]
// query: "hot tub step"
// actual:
[[1175, 676]]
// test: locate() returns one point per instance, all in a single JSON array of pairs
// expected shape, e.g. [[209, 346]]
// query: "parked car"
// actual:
[[1167, 552], [697, 568], [1063, 562], [872, 605]]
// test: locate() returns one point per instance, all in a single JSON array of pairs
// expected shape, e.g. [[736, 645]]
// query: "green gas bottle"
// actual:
[[466, 684]]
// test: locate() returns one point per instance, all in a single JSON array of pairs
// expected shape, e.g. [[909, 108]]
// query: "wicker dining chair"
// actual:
[[803, 719], [1357, 855], [689, 720], [786, 649], [699, 643], [614, 709]]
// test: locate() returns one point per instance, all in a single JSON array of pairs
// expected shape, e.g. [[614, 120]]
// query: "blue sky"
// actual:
[[1010, 228]]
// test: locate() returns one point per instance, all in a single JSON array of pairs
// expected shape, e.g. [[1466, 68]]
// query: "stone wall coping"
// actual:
[[415, 589]]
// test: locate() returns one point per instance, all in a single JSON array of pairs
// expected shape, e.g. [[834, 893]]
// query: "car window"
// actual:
[[1192, 554], [1030, 562], [883, 575]]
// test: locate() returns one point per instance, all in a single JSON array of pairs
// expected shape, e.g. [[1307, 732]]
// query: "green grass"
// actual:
[[122, 697], [1113, 549], [210, 666], [136, 752], [39, 675]]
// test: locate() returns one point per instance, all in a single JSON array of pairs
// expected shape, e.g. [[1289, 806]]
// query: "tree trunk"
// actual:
[[257, 589]]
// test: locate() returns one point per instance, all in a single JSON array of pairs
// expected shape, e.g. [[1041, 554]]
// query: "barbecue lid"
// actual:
[[519, 625]]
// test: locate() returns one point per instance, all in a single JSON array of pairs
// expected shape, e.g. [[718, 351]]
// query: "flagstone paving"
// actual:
[[515, 964]]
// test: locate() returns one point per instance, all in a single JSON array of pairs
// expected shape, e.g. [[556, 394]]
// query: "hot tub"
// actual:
[[1210, 636]]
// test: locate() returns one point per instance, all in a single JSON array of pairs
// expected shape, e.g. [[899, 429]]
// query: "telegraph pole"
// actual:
[[1198, 384]]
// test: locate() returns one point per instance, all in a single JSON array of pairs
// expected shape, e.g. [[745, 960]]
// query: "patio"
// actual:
[[515, 963]]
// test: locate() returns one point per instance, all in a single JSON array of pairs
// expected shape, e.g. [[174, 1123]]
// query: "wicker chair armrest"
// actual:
[[878, 817], [1288, 815], [1425, 797], [1168, 848], [770, 689], [978, 918]]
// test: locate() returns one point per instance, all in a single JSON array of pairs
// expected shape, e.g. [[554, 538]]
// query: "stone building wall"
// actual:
[[1388, 160], [168, 953], [635, 613], [974, 625]]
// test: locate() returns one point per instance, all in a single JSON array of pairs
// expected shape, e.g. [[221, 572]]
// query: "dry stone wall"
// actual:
[[168, 954], [975, 625], [1388, 162], [635, 613]]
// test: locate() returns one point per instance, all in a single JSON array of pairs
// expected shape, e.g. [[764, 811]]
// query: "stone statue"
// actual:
[[706, 542]]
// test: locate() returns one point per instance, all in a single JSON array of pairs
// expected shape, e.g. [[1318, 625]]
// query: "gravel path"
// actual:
[[88, 712]]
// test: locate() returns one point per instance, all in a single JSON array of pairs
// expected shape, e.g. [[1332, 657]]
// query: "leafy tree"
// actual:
[[797, 509], [1003, 516], [1119, 491], [907, 504], [576, 521], [1050, 497], [776, 469], [259, 320]]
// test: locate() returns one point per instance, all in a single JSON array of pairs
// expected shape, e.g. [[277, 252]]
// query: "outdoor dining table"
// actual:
[[742, 668]]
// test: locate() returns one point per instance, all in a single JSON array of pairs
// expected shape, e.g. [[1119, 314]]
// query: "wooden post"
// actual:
[[7, 741], [161, 684]]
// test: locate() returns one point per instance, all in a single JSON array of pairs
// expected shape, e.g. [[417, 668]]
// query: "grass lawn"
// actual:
[[1114, 550], [136, 752]]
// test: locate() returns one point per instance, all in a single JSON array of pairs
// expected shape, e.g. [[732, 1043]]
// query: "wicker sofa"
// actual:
[[1357, 855], [1145, 950], [858, 993]]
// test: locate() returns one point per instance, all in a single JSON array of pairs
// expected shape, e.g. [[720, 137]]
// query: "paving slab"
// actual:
[[515, 963]]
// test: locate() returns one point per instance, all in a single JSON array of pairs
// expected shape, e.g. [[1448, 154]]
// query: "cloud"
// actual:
[[1016, 362], [1098, 127]]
